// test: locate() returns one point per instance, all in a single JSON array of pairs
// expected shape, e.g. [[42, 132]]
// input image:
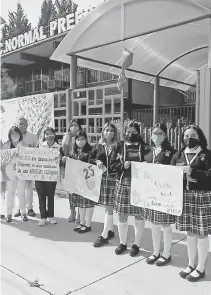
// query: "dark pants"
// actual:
[[46, 189]]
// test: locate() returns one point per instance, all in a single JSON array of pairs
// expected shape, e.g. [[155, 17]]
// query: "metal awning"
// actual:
[[169, 38]]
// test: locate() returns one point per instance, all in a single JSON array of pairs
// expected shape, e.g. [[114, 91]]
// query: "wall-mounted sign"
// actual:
[[58, 26]]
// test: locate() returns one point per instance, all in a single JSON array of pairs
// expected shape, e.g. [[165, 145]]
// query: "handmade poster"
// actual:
[[8, 164], [158, 187], [38, 164], [37, 109], [83, 179]]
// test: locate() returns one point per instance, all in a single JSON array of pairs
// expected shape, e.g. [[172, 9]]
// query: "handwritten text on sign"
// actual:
[[83, 179], [8, 164], [157, 187], [38, 164]]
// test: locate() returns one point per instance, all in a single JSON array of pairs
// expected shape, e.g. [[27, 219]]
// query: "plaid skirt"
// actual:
[[107, 189], [196, 213], [158, 217], [122, 199], [81, 202]]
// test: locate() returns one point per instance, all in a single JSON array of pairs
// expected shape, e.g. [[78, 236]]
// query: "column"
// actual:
[[73, 72], [156, 100], [205, 103], [197, 97]]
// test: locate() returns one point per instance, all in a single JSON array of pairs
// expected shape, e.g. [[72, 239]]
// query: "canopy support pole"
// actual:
[[197, 97], [205, 97], [73, 72], [156, 100]]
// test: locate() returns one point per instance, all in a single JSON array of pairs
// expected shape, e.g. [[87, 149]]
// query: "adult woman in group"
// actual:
[[131, 149], [161, 152], [15, 185], [196, 214], [67, 147], [100, 156]]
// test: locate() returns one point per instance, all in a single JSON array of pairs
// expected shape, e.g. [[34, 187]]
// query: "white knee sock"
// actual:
[[82, 212], [156, 237], [167, 238], [108, 225], [89, 214], [203, 249], [122, 229], [139, 230], [192, 249]]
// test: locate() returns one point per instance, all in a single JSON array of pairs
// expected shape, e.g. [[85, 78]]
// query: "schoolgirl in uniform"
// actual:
[[81, 152], [17, 185], [46, 189], [67, 147], [196, 214], [100, 156], [161, 152], [131, 149]]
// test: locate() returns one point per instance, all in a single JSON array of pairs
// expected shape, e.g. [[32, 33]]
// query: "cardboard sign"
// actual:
[[8, 164], [38, 164], [158, 187]]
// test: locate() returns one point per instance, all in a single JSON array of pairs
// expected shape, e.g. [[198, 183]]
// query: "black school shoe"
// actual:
[[17, 213], [2, 216], [24, 217], [100, 241], [134, 250], [152, 260], [120, 249], [31, 213], [164, 262], [9, 219], [111, 235], [184, 274], [84, 229], [78, 227], [190, 278]]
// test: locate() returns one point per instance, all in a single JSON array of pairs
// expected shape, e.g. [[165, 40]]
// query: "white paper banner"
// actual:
[[83, 179], [38, 164], [8, 164], [37, 109], [158, 187]]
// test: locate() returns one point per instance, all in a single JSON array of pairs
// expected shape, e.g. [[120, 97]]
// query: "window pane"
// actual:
[[95, 111], [75, 109], [83, 108], [56, 101], [91, 97], [99, 96], [117, 104], [60, 113], [107, 106], [63, 100]]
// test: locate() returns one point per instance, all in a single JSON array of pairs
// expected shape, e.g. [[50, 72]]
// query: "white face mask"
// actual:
[[49, 137], [81, 143], [158, 139], [15, 138]]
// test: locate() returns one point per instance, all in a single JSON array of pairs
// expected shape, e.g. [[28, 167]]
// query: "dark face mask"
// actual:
[[191, 142], [132, 138]]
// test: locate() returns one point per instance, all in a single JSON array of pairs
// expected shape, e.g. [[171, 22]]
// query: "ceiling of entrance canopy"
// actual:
[[148, 28]]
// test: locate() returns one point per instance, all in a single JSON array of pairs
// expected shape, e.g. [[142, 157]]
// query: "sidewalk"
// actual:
[[65, 262]]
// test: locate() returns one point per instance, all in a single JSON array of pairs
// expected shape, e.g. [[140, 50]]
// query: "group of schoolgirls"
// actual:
[[194, 158]]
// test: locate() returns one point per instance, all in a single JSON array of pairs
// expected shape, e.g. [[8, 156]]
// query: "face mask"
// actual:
[[73, 130], [15, 138], [158, 139], [49, 137], [132, 137], [81, 144], [191, 142]]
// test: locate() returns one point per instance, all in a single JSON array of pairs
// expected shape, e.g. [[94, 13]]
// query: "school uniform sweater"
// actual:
[[201, 168]]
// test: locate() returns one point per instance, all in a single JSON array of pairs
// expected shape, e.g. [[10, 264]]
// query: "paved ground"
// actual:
[[64, 262]]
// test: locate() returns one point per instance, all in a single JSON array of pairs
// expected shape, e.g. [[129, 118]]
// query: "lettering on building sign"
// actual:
[[58, 26]]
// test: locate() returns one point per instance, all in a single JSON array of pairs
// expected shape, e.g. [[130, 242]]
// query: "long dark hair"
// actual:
[[165, 144], [136, 125], [202, 138], [53, 131], [17, 130], [72, 121], [87, 146]]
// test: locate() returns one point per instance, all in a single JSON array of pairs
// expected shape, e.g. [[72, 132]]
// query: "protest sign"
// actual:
[[83, 179], [158, 187], [8, 164], [38, 164]]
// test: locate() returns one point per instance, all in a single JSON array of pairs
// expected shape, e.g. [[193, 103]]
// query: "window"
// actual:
[[62, 100], [60, 113], [99, 94], [56, 101], [91, 97], [95, 111]]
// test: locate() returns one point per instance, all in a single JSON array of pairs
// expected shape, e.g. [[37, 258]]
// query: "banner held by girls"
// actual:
[[83, 179], [157, 187]]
